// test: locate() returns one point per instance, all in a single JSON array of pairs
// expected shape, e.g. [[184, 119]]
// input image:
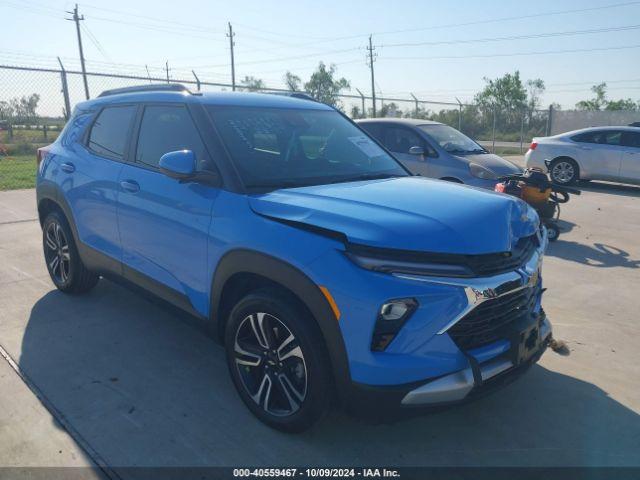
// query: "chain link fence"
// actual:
[[35, 103]]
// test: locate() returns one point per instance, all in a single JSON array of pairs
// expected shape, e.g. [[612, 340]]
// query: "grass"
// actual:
[[17, 171]]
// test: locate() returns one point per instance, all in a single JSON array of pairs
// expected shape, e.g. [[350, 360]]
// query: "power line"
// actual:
[[95, 41], [505, 19], [516, 37], [492, 55]]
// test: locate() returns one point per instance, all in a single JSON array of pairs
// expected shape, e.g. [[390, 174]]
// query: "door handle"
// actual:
[[130, 186], [68, 167]]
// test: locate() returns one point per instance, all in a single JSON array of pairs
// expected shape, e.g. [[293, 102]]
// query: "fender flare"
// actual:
[[50, 191], [290, 277]]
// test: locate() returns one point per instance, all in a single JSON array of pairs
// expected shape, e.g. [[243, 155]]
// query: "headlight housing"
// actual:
[[479, 171], [391, 317]]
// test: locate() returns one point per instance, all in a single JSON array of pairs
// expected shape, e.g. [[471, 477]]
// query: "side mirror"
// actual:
[[180, 165], [416, 151]]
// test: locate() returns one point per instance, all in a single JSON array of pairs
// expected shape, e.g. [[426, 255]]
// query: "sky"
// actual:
[[436, 50]]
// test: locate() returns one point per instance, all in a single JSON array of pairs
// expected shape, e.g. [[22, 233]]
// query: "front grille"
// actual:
[[481, 265], [483, 325], [493, 264]]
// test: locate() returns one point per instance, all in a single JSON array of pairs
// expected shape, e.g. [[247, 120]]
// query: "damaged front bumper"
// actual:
[[457, 386]]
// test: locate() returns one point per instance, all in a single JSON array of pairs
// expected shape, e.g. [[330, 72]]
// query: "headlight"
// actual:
[[391, 317], [421, 264], [479, 171]]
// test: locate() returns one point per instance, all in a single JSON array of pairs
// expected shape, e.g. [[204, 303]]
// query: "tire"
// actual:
[[64, 264], [553, 232], [277, 361], [564, 171]]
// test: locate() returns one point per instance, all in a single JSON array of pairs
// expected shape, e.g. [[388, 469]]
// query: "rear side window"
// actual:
[[108, 136], [603, 137], [631, 139], [167, 128]]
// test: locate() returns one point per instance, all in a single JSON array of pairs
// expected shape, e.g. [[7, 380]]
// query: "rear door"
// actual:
[[164, 223], [90, 178], [600, 153], [630, 168]]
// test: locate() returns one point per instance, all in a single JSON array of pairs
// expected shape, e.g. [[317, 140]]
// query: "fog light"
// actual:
[[394, 310], [391, 318]]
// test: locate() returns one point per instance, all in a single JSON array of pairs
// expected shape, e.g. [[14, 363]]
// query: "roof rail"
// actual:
[[301, 95], [162, 87]]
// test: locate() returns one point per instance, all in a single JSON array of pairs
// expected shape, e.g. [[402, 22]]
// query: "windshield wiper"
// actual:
[[276, 184], [367, 176]]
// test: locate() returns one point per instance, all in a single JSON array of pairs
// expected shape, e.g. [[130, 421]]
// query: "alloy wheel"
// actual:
[[270, 364], [57, 253], [563, 172]]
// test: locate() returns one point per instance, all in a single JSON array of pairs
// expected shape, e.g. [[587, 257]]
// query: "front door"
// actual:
[[164, 223], [399, 141]]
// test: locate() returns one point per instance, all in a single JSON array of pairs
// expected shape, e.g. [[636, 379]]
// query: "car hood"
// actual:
[[493, 162], [408, 213]]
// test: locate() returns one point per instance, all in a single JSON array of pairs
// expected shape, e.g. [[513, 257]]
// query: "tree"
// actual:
[[623, 104], [535, 88], [324, 87], [292, 81], [390, 110], [355, 112], [22, 109], [252, 84], [504, 93], [596, 103]]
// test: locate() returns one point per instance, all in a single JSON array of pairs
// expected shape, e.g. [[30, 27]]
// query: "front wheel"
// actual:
[[277, 361], [64, 264]]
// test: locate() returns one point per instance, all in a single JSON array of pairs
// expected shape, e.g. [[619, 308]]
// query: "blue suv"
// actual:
[[326, 269]]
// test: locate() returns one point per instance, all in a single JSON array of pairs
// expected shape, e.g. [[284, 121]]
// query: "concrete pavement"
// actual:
[[145, 385]]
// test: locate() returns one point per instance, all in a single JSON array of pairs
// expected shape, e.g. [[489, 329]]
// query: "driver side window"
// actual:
[[400, 140]]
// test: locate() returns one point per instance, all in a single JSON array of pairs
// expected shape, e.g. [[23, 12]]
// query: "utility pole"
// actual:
[[233, 65], [77, 18], [166, 67], [372, 57]]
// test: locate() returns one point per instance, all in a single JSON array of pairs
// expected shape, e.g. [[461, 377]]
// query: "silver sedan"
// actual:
[[598, 153]]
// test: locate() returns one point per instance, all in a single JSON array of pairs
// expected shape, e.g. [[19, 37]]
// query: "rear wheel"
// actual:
[[564, 171], [65, 267], [277, 362]]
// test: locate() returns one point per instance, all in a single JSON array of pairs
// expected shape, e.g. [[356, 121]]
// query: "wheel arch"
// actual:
[[241, 271], [50, 198]]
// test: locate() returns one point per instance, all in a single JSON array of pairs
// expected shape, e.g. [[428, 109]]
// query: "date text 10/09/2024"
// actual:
[[316, 472]]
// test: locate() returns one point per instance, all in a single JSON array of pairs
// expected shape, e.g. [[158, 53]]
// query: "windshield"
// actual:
[[452, 140], [274, 147]]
